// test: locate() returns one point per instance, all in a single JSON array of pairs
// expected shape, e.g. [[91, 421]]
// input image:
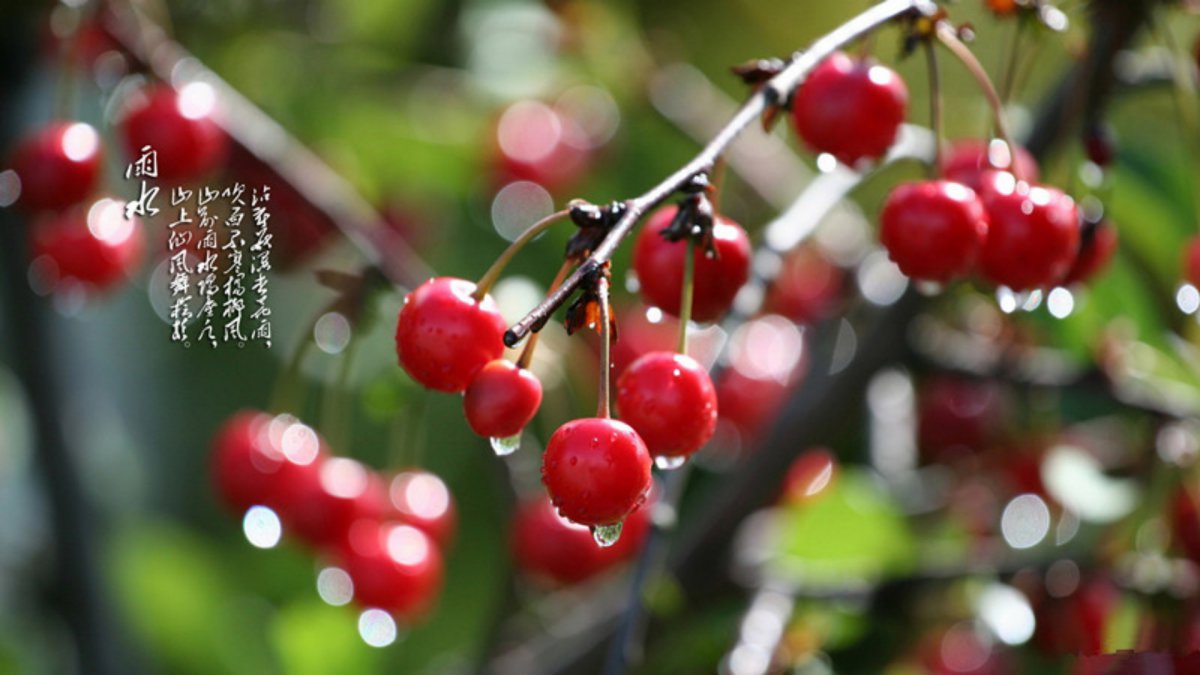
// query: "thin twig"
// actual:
[[603, 406], [526, 357], [687, 294], [935, 106], [628, 636], [268, 142], [789, 230], [1087, 87], [1012, 63], [774, 92], [948, 37], [493, 273]]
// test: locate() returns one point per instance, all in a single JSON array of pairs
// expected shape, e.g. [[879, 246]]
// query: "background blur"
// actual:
[[403, 98]]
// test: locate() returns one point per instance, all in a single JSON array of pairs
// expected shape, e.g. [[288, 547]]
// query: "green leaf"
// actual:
[[313, 638], [177, 598], [850, 537]]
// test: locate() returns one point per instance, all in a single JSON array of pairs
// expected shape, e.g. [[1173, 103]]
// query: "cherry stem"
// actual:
[[773, 93], [150, 47], [935, 107], [69, 56], [717, 180], [1184, 91], [1011, 64], [493, 273], [338, 411], [603, 408], [289, 378], [947, 36], [397, 438], [866, 47], [687, 294], [527, 353]]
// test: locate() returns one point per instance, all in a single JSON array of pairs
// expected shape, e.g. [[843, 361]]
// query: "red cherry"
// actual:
[[1191, 261], [85, 45], [1098, 243], [321, 508], [807, 288], [1033, 235], [422, 500], [957, 417], [809, 476], [1019, 470], [444, 336], [1075, 622], [1127, 662], [1196, 51], [405, 222], [670, 401], [748, 403], [394, 567], [257, 457], [767, 358], [502, 399], [972, 162], [535, 142], [640, 336], [596, 470], [242, 460], [1002, 7], [550, 548], [960, 650], [850, 108], [1184, 635], [298, 228], [933, 230], [1099, 144], [97, 246], [1185, 522], [179, 126], [659, 266], [58, 165]]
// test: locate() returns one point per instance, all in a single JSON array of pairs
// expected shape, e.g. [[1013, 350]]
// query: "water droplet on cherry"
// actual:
[[669, 462], [606, 535], [505, 446]]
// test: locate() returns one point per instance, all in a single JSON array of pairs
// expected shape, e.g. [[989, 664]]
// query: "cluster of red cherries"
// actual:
[[449, 335], [80, 236], [386, 533], [965, 425], [986, 214], [597, 470]]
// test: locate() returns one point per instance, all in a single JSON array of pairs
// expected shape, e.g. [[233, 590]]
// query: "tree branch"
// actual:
[[1087, 87], [773, 93], [269, 143]]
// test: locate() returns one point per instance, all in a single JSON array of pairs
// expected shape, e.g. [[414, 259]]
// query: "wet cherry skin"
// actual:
[[669, 399], [659, 266], [394, 566], [850, 108], [97, 245], [180, 127], [597, 470], [58, 165], [501, 399], [551, 549], [1033, 234], [444, 336], [933, 230]]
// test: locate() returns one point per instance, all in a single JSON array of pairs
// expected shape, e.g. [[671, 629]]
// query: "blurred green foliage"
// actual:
[[384, 91]]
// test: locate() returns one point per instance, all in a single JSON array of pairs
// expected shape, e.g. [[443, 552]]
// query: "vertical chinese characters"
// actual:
[[260, 264], [212, 253], [179, 250]]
